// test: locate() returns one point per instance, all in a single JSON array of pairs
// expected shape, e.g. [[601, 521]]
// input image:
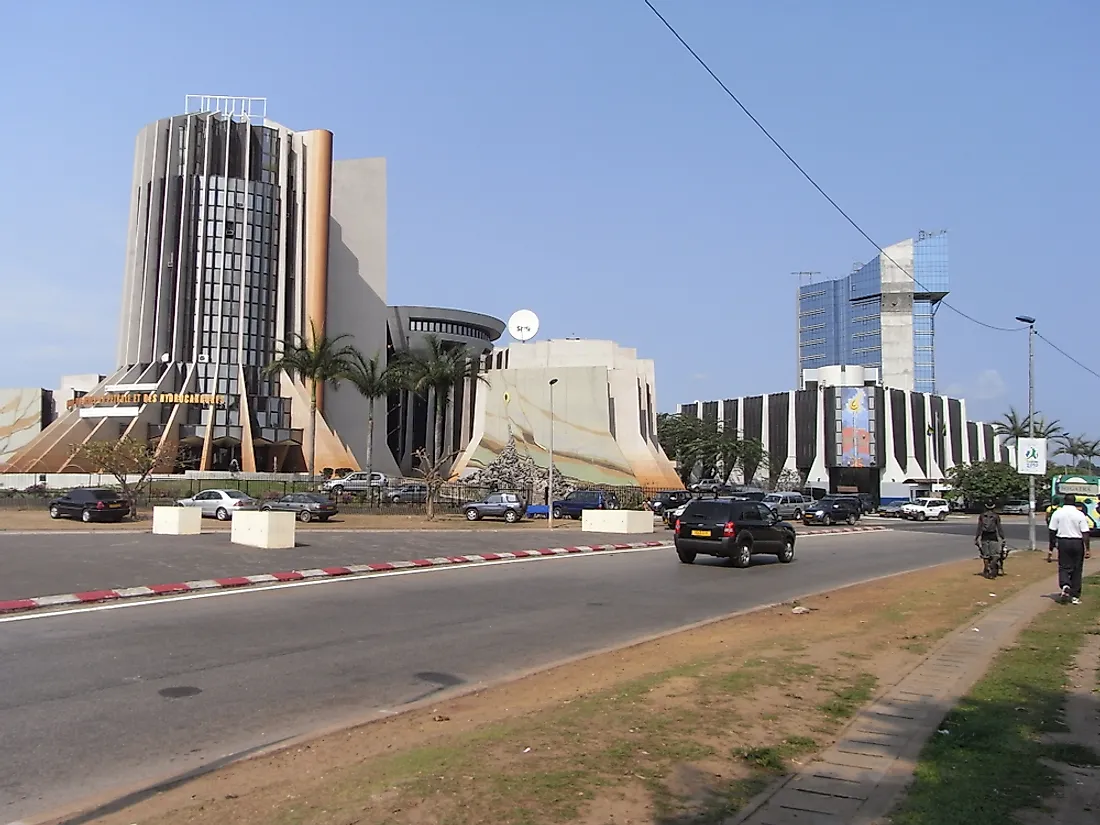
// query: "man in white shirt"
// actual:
[[1071, 528]]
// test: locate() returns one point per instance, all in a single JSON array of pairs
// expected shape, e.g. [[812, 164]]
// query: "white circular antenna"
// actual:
[[523, 325]]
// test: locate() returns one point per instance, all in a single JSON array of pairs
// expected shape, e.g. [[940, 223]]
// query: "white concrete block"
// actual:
[[177, 521], [617, 521], [269, 531]]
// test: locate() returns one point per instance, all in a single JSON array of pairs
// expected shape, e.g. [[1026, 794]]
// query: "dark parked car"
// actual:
[[408, 493], [306, 506], [891, 509], [830, 510], [88, 505], [735, 529], [580, 500], [668, 500], [507, 506]]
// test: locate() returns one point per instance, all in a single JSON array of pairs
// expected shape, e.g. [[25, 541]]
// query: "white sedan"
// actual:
[[220, 504]]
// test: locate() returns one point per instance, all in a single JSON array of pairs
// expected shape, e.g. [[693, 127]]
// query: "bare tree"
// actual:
[[435, 473], [125, 458]]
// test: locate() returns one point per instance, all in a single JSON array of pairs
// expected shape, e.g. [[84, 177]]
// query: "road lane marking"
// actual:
[[405, 569]]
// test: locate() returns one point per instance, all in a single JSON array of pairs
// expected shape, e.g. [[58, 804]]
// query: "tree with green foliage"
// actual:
[[315, 360], [436, 368], [984, 482], [681, 437], [130, 460], [374, 380]]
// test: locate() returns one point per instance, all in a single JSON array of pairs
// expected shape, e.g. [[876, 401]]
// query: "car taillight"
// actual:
[[99, 505], [729, 530], [676, 527]]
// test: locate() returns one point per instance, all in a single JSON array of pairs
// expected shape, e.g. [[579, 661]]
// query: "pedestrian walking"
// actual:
[[1071, 528], [990, 540]]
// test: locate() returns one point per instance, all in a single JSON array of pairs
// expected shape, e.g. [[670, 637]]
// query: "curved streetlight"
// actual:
[[550, 477], [1027, 319]]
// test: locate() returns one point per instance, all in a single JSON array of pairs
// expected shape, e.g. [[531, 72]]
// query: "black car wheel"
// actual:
[[510, 516], [55, 511], [472, 514], [829, 521], [851, 519], [557, 512], [685, 556], [395, 499], [86, 516], [221, 514], [305, 516], [338, 489], [786, 555], [742, 554], [798, 515]]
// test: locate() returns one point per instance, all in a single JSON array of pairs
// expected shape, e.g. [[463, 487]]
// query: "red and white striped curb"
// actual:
[[92, 596]]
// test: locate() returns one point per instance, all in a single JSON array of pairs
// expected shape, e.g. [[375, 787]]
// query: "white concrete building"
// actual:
[[603, 418]]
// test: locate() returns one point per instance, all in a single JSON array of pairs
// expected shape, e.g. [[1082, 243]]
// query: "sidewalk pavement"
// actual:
[[860, 779]]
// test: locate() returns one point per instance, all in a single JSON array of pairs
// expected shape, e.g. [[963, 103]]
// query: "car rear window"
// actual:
[[235, 494], [103, 495], [708, 510]]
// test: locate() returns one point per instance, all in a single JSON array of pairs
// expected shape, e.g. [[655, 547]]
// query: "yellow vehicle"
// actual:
[[1085, 489]]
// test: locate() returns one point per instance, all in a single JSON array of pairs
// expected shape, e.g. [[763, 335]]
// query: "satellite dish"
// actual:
[[523, 325]]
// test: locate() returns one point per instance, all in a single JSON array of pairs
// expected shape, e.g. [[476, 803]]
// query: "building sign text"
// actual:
[[130, 398]]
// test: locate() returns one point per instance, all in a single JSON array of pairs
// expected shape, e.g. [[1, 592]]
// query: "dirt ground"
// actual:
[[677, 730], [12, 520]]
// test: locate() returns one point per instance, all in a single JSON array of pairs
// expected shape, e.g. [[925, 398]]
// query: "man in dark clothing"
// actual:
[[990, 540]]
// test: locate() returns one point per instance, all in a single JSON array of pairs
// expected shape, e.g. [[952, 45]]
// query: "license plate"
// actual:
[[704, 533], [114, 505]]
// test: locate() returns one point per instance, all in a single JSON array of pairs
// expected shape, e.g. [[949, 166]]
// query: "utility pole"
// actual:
[[550, 479], [1027, 319]]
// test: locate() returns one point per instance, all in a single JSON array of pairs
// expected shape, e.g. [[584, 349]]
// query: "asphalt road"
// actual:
[[44, 564], [103, 699]]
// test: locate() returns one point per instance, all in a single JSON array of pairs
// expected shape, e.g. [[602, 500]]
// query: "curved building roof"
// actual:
[[408, 326]]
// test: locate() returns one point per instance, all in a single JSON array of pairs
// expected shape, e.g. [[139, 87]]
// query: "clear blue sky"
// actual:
[[571, 158]]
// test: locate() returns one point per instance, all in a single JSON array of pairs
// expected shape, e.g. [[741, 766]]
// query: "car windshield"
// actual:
[[923, 502], [235, 494], [708, 510]]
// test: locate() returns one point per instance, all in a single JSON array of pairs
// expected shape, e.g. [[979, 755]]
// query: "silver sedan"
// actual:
[[220, 504]]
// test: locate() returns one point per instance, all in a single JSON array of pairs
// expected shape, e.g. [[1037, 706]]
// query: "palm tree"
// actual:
[[1075, 447], [1012, 426], [316, 361], [1050, 430], [1091, 453], [374, 380], [439, 368]]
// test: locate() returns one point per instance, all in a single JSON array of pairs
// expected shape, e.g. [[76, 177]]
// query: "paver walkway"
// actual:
[[859, 779]]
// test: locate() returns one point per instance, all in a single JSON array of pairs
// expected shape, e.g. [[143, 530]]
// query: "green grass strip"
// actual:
[[988, 764]]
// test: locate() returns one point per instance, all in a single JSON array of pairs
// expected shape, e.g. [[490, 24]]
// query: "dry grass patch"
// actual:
[[680, 730]]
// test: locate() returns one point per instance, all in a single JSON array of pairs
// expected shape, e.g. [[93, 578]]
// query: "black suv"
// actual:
[[831, 509], [734, 529], [668, 500]]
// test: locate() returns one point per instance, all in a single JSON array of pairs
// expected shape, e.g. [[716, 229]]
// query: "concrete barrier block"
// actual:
[[268, 531], [617, 521], [177, 521]]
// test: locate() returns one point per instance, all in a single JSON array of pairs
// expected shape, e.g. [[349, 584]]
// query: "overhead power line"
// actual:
[[837, 206], [810, 179]]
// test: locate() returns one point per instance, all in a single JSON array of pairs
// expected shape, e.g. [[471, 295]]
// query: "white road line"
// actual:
[[405, 569], [252, 591]]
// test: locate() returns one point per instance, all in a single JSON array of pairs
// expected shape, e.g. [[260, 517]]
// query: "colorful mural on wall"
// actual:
[[855, 433]]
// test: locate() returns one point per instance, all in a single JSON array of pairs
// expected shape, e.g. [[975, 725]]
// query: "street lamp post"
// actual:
[[1027, 319], [550, 477]]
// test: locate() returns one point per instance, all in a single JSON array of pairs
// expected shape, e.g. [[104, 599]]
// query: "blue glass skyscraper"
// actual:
[[882, 315]]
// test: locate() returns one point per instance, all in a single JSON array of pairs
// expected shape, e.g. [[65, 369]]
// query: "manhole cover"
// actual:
[[180, 692]]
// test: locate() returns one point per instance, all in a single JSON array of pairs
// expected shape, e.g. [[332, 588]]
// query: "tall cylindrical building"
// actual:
[[220, 268]]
